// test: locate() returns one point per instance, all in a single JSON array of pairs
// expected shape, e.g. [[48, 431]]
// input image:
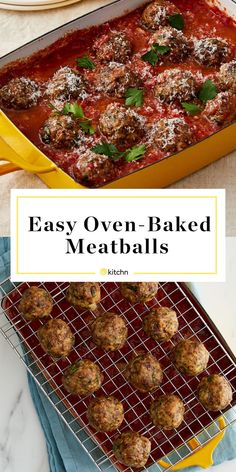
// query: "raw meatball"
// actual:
[[120, 125], [175, 84], [35, 303], [93, 169], [227, 76], [178, 43], [221, 109], [56, 338], [211, 51], [161, 323], [190, 357], [82, 378], [113, 47], [132, 449], [157, 14], [84, 294], [20, 93], [171, 135], [66, 84], [215, 392], [114, 79], [109, 331], [61, 131], [144, 373], [105, 413], [167, 411], [139, 292]]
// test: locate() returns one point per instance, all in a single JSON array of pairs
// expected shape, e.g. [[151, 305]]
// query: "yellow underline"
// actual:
[[175, 273], [58, 273]]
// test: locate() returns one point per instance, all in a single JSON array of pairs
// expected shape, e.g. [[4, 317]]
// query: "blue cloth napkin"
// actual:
[[64, 452]]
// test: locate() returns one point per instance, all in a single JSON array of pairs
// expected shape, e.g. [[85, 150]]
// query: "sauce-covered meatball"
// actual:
[[211, 51], [157, 14], [105, 413], [56, 338], [190, 357], [215, 392], [84, 294], [93, 169], [113, 47], [227, 76], [139, 292], [167, 411], [132, 449], [144, 372], [61, 131], [19, 93], [115, 78], [221, 109], [179, 45], [82, 378], [120, 125], [66, 84], [35, 303], [161, 323], [109, 331], [175, 85], [171, 135]]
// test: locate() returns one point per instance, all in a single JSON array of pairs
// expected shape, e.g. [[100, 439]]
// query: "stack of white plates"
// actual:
[[27, 5]]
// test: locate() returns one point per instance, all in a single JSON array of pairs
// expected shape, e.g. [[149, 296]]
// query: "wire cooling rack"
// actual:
[[193, 323]]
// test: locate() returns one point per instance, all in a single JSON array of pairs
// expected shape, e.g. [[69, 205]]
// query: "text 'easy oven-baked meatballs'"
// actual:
[[171, 135], [61, 131], [175, 85], [221, 109], [215, 392], [190, 357], [105, 413], [211, 51], [84, 294], [20, 93], [82, 378], [144, 372], [120, 125], [161, 323], [115, 78], [157, 13], [35, 303], [139, 292], [227, 77], [179, 45], [132, 449], [56, 338], [109, 331], [113, 47], [93, 170], [66, 84], [167, 412]]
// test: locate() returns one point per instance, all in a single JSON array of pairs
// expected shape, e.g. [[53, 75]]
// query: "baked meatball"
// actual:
[[161, 323], [139, 292], [157, 14], [35, 303], [113, 47], [171, 135], [120, 125], [190, 357], [66, 84], [132, 449], [115, 78], [175, 85], [167, 412], [144, 372], [109, 331], [93, 169], [61, 131], [178, 43], [82, 378], [84, 294], [215, 392], [56, 338], [221, 109], [20, 93], [227, 77], [210, 51], [105, 413]]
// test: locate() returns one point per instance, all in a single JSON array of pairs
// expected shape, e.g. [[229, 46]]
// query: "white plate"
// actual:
[[23, 5]]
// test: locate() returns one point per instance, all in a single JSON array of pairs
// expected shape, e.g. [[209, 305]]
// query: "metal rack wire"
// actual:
[[48, 372]]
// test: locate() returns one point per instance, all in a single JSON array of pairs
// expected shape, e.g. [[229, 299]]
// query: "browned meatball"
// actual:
[[114, 79], [20, 93], [157, 14], [139, 292], [93, 169], [56, 338], [161, 323], [215, 392], [61, 131], [82, 378], [109, 331], [227, 77], [120, 125], [35, 303], [211, 51], [66, 84], [105, 413], [171, 135], [167, 412], [221, 109], [132, 449], [113, 47], [84, 294], [179, 45], [144, 372], [190, 357], [175, 85]]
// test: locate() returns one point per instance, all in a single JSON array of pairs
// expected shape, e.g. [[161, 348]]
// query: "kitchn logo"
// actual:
[[105, 271]]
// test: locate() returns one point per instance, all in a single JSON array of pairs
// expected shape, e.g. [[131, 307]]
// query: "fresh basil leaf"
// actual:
[[161, 49], [176, 21], [134, 96], [74, 109], [191, 108], [151, 57], [135, 153], [85, 62], [207, 91], [107, 149]]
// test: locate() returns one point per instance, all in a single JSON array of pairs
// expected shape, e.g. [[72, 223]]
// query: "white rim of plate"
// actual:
[[38, 5]]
